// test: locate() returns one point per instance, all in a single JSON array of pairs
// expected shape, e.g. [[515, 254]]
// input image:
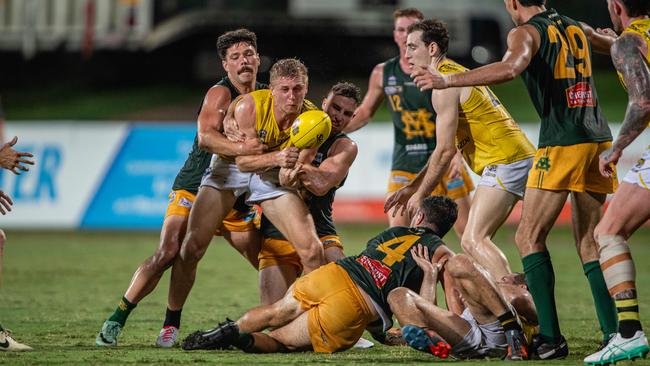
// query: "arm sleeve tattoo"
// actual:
[[630, 62]]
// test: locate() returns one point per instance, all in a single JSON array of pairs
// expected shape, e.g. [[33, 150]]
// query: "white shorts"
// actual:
[[265, 186], [640, 173], [482, 340], [225, 176], [509, 177]]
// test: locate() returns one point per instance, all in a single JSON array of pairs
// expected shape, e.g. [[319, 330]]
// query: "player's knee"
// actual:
[[400, 298], [470, 245], [312, 256], [192, 249], [460, 265], [164, 258]]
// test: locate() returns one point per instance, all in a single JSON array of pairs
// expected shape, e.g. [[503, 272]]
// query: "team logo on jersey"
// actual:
[[544, 163], [392, 80], [418, 124], [184, 202], [377, 270], [392, 90], [580, 95], [262, 135]]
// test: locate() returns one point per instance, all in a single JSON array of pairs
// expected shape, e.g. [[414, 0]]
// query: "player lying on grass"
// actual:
[[328, 309], [490, 326]]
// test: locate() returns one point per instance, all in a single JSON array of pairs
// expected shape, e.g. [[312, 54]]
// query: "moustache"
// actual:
[[245, 69]]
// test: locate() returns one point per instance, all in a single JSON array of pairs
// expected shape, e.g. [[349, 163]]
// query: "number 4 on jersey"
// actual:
[[396, 248]]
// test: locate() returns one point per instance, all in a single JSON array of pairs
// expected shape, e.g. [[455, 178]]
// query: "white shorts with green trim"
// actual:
[[640, 173]]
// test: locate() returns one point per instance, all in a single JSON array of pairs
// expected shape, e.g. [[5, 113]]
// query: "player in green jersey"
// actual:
[[414, 126], [553, 55], [238, 52], [328, 309]]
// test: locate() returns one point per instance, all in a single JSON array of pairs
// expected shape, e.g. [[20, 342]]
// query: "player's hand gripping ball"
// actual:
[[311, 129]]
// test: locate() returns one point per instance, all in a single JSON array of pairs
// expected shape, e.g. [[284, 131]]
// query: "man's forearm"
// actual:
[[496, 73], [257, 163], [436, 168], [216, 143], [428, 287]]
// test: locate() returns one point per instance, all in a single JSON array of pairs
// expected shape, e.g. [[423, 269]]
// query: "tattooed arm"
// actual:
[[628, 56]]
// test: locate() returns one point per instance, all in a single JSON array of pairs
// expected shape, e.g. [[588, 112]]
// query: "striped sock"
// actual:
[[628, 316]]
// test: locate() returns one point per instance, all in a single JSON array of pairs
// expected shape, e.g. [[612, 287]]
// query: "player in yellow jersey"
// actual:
[[630, 207], [414, 126], [268, 115], [473, 120]]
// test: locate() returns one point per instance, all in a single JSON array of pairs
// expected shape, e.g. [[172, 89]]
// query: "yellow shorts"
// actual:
[[571, 168], [453, 188], [180, 203], [337, 312], [275, 252]]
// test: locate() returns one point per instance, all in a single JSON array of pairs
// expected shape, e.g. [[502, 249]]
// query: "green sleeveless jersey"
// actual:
[[386, 263], [560, 83], [320, 207], [414, 119], [190, 175]]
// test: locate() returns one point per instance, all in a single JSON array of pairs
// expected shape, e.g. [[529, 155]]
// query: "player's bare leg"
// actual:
[[627, 211], [275, 280], [210, 208], [292, 218], [586, 212], [247, 243], [146, 277], [3, 238], [541, 209], [490, 208]]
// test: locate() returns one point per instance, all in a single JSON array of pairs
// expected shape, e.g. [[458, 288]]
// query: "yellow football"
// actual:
[[310, 129]]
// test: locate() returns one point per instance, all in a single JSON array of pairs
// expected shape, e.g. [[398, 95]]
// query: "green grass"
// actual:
[[60, 286]]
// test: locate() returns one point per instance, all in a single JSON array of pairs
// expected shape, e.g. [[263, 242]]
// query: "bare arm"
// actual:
[[319, 180], [210, 125], [523, 43], [421, 257], [628, 56], [371, 101], [601, 42]]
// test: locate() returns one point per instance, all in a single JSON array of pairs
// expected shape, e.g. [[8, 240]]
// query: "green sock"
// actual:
[[541, 283], [605, 307], [122, 311]]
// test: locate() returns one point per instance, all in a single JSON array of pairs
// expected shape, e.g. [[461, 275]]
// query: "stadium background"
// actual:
[[105, 93]]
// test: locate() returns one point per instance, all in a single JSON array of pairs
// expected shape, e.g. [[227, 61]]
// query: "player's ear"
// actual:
[[323, 105]]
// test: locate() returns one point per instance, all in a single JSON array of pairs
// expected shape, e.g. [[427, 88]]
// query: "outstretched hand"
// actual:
[[5, 203], [429, 78], [399, 200], [13, 160]]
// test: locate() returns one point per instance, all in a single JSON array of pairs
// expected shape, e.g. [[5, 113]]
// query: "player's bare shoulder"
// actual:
[[377, 75]]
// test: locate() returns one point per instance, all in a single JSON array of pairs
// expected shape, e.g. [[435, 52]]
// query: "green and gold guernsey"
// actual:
[[189, 177], [320, 207], [386, 263], [560, 83], [414, 119]]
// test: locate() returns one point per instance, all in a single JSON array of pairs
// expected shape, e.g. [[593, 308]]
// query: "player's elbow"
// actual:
[[510, 72], [203, 141]]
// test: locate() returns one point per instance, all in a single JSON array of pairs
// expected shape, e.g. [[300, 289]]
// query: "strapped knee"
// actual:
[[616, 263]]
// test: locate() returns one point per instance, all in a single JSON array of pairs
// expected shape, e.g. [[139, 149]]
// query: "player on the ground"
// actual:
[[473, 120], [630, 207], [268, 115], [279, 263], [497, 321], [13, 160], [238, 52], [552, 54], [328, 309], [414, 122]]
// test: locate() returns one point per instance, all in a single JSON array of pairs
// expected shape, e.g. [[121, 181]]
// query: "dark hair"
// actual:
[[532, 2], [288, 67], [432, 31], [347, 90], [228, 39], [636, 8], [440, 211], [408, 13]]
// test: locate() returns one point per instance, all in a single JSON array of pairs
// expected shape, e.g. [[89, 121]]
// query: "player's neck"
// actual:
[[404, 64], [436, 61], [282, 118], [530, 11], [629, 20]]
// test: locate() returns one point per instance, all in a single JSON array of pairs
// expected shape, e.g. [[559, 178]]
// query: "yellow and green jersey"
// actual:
[[560, 82], [189, 177], [414, 119], [265, 123], [486, 133], [386, 263]]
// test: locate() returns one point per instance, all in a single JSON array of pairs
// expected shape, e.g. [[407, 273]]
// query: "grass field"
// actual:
[[60, 286]]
